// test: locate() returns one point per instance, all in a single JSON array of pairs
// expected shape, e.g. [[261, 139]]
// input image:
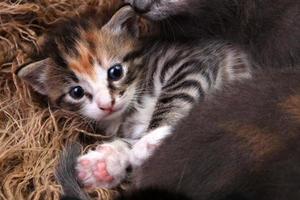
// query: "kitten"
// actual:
[[268, 29], [240, 143], [134, 89]]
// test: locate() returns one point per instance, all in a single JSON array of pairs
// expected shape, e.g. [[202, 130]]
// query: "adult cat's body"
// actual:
[[269, 30], [106, 74], [240, 143]]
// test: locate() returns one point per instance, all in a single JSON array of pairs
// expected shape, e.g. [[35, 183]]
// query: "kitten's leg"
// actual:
[[164, 122], [145, 147], [172, 105], [104, 167]]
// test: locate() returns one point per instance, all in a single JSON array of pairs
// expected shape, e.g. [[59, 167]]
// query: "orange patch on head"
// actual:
[[83, 64], [91, 36], [291, 105]]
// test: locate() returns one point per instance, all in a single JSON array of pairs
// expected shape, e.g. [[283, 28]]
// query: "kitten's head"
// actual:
[[87, 71]]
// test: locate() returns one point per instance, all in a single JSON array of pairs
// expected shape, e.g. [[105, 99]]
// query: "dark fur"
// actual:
[[268, 29], [66, 174], [241, 143]]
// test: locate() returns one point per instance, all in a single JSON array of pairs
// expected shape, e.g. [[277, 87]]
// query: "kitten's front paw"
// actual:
[[105, 167]]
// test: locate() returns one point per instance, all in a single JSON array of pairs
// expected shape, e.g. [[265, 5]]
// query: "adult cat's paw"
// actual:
[[141, 5], [160, 9], [152, 9], [105, 167]]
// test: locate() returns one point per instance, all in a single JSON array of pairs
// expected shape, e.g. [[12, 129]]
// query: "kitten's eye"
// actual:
[[115, 72], [76, 92]]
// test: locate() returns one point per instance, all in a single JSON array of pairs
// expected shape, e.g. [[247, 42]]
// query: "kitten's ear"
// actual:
[[35, 74], [125, 20]]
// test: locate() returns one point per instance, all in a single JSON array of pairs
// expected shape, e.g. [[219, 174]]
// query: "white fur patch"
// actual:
[[142, 117], [145, 147]]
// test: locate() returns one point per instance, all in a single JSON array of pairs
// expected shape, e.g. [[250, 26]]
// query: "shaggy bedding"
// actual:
[[32, 136]]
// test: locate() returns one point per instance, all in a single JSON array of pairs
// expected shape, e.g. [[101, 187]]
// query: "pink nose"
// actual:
[[105, 106]]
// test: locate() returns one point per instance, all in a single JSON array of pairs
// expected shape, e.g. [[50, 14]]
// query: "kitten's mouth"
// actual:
[[113, 110]]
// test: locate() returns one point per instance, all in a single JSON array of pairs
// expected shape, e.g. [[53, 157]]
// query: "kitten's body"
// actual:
[[167, 83], [269, 30], [240, 143], [158, 85]]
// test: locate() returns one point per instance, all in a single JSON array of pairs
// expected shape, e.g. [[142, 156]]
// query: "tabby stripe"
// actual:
[[170, 64], [181, 96], [132, 74], [186, 84], [155, 122], [150, 83], [163, 110], [180, 76], [133, 55], [207, 77], [142, 93], [214, 73]]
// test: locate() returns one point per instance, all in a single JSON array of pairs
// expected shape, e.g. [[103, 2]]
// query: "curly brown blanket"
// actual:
[[32, 136]]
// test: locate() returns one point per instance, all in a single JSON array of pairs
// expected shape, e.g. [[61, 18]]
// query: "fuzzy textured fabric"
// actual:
[[32, 136]]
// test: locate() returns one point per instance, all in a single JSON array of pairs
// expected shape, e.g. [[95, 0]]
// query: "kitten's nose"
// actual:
[[105, 106]]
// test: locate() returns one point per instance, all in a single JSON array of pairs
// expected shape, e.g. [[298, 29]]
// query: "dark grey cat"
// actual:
[[268, 29], [240, 143]]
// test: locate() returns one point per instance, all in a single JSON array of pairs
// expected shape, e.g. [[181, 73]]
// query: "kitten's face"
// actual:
[[87, 72], [100, 87]]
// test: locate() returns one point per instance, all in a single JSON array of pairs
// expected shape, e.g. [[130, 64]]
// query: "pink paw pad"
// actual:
[[101, 172]]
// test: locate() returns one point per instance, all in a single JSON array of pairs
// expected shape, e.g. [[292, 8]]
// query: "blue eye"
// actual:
[[115, 72], [76, 92]]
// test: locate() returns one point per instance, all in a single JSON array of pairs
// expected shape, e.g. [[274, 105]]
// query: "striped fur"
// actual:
[[176, 76]]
